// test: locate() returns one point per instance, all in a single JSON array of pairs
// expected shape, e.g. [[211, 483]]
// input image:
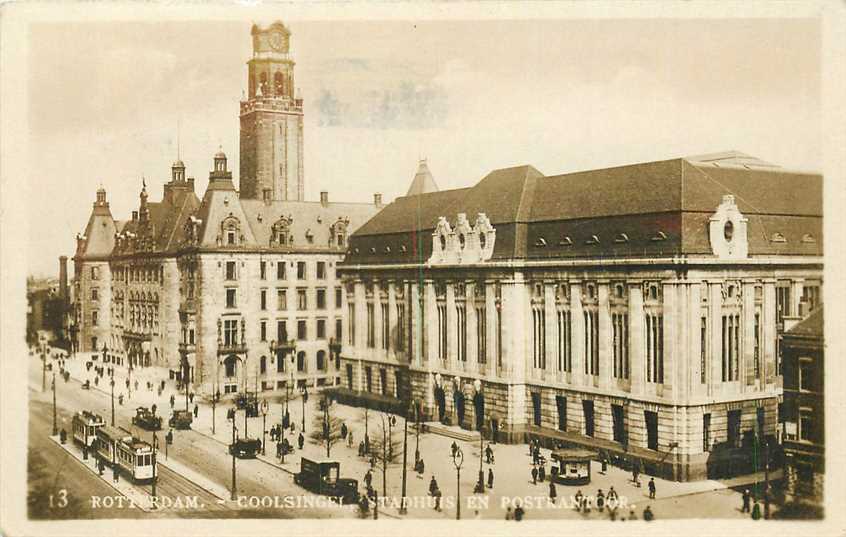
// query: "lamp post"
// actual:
[[43, 368], [263, 424], [232, 448], [402, 508], [305, 398], [155, 448], [457, 461], [215, 399], [55, 429]]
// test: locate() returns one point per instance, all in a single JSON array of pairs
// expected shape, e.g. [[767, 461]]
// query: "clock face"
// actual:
[[277, 40]]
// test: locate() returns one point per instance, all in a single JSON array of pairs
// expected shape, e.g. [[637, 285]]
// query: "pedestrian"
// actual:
[[422, 468], [647, 514], [612, 498], [115, 476], [600, 501], [368, 477], [127, 384], [350, 440], [604, 459], [490, 478], [191, 397], [136, 385], [651, 489], [343, 430], [172, 400], [552, 492], [488, 454], [438, 495], [433, 486], [361, 449], [476, 515], [542, 473], [518, 513], [636, 473], [153, 408], [196, 410], [454, 448], [746, 497], [278, 450], [534, 475], [579, 500], [756, 511], [535, 455], [508, 514], [301, 440], [632, 513]]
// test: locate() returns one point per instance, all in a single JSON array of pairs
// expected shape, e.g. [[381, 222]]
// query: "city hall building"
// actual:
[[632, 309], [240, 284]]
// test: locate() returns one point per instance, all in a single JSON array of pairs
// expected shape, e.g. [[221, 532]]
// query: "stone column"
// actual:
[[360, 310], [490, 328], [415, 337], [747, 355], [768, 338], [716, 348], [393, 329], [470, 309], [637, 345], [577, 333], [452, 329], [605, 352], [377, 350], [515, 343], [695, 344], [683, 352], [550, 328], [670, 314], [431, 327]]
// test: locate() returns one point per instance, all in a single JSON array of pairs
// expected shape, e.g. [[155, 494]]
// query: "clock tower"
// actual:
[[271, 121]]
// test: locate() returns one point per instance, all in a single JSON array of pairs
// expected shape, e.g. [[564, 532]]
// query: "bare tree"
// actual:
[[386, 447], [326, 428]]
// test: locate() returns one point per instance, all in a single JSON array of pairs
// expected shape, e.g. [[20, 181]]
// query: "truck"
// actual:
[[181, 419], [145, 419], [321, 476]]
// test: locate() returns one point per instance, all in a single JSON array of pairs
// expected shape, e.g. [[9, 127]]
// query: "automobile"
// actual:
[[145, 419], [181, 419], [321, 476], [86, 385], [245, 448]]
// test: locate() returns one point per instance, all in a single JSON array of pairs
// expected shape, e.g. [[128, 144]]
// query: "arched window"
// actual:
[[321, 360], [263, 83], [229, 365], [301, 361], [263, 364], [279, 83]]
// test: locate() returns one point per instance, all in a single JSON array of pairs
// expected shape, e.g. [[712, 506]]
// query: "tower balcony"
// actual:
[[271, 104]]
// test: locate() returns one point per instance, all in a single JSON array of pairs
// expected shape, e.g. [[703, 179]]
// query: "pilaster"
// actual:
[[637, 345], [578, 333], [604, 319]]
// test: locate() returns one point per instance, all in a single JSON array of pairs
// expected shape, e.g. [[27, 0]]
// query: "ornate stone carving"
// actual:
[[463, 244], [727, 231]]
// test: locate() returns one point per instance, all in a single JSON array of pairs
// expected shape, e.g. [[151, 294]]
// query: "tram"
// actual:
[[85, 425], [133, 456]]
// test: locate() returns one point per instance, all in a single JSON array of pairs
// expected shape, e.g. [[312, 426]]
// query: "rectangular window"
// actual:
[[706, 432], [230, 332], [536, 408], [805, 381], [350, 376], [565, 362], [321, 329], [384, 330], [301, 270], [654, 348], [95, 273], [806, 424], [591, 342], [811, 296], [321, 299], [302, 300], [338, 298], [620, 344], [263, 299], [301, 330], [94, 294], [230, 238], [383, 380], [734, 428], [481, 335], [191, 336], [587, 408], [339, 326], [618, 423], [230, 270], [561, 404], [400, 335], [94, 318], [281, 331], [539, 338], [782, 302], [651, 419], [461, 329], [756, 356], [368, 378], [280, 270], [371, 329], [321, 270], [442, 332], [230, 298], [263, 330], [281, 299], [731, 348], [351, 317], [280, 363], [263, 270]]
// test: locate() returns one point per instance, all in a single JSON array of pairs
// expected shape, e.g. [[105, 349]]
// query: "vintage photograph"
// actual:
[[512, 270]]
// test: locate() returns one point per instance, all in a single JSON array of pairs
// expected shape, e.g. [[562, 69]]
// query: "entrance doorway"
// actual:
[[458, 398], [479, 407], [440, 400]]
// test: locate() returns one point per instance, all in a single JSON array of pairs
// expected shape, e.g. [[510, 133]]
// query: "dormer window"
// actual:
[[541, 242], [728, 231], [808, 238], [660, 236], [230, 237], [592, 240], [778, 237], [565, 241], [622, 237]]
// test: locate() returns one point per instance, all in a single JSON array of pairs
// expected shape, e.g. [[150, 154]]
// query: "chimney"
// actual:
[[377, 200], [63, 276], [324, 198], [191, 183], [134, 216]]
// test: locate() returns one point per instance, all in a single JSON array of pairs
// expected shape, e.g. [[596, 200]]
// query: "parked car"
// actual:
[[321, 477], [181, 419], [145, 419], [245, 448]]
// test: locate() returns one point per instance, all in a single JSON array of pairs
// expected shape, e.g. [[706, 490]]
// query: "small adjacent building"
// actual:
[[803, 351]]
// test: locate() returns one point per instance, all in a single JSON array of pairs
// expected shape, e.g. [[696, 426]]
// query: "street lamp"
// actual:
[[43, 368], [457, 461], [215, 399], [480, 485], [403, 509], [305, 398], [112, 384], [232, 448], [263, 424], [55, 429]]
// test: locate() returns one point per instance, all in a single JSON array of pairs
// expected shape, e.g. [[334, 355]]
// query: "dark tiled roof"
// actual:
[[811, 326], [650, 209]]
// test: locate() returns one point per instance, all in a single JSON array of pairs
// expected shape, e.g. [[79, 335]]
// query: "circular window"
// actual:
[[728, 231]]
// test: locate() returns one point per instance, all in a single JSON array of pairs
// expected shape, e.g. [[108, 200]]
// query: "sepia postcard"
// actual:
[[431, 268]]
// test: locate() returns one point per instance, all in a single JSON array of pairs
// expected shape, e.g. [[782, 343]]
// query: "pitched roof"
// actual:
[[811, 326], [654, 208], [423, 181]]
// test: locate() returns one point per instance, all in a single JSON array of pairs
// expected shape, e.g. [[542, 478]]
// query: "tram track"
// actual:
[[171, 484]]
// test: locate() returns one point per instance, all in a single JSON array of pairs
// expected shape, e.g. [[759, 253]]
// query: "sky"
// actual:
[[110, 103]]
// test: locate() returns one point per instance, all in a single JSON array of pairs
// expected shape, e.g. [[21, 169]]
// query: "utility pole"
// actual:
[[155, 448], [305, 396], [55, 429], [403, 509], [263, 425], [112, 383], [457, 460], [232, 448]]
